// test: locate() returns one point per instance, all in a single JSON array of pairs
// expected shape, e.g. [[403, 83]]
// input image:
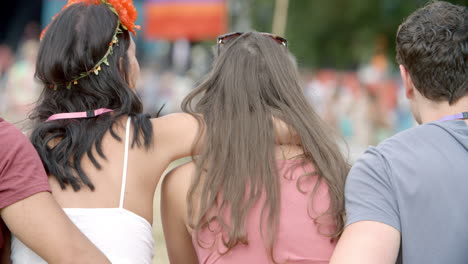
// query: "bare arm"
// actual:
[[173, 212], [176, 135], [41, 224], [367, 242], [373, 231]]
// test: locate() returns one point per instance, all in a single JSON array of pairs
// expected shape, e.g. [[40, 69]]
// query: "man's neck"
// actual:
[[432, 111]]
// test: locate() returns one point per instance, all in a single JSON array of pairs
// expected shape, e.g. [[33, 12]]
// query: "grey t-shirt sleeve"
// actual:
[[369, 191]]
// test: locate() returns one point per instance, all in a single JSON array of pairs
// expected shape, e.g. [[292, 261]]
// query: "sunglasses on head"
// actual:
[[226, 37]]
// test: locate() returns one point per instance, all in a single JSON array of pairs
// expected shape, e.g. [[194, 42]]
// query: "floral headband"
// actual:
[[127, 14]]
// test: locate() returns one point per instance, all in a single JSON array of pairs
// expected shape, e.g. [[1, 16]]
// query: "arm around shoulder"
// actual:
[[181, 134], [177, 135], [367, 242], [372, 234], [41, 224], [29, 210], [174, 215]]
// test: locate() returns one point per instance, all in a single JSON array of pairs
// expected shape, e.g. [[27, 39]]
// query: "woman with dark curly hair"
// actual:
[[103, 156]]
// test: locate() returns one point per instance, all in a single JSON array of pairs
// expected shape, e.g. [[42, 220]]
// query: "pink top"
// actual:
[[298, 241]]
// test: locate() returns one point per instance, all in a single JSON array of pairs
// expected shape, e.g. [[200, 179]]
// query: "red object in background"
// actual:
[[194, 20]]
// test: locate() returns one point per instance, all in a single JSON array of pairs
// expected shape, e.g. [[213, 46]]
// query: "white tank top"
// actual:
[[123, 236]]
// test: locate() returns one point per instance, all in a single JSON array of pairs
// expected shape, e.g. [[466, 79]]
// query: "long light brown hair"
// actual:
[[253, 80]]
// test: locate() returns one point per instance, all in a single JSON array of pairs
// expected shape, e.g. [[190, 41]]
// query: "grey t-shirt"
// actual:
[[417, 182]]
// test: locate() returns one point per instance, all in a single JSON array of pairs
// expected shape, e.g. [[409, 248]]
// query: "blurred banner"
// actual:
[[50, 8], [193, 20]]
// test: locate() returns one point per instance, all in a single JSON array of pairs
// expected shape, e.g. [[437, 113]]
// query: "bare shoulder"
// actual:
[[178, 180], [174, 214], [174, 120], [174, 189], [176, 135]]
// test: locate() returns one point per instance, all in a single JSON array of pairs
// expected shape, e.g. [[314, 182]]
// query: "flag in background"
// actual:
[[193, 20]]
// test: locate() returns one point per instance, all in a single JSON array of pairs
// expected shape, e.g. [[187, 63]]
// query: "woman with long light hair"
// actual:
[[245, 199]]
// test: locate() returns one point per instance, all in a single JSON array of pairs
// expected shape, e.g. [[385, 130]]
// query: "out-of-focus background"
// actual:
[[344, 48]]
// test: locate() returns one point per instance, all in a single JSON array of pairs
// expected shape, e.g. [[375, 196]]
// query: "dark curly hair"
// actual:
[[74, 42], [432, 44]]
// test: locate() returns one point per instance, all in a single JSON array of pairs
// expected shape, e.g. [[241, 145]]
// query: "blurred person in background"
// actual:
[[29, 210], [6, 60], [406, 198], [21, 90], [149, 89], [246, 199], [359, 110]]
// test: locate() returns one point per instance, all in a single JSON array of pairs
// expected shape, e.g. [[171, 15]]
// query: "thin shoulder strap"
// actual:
[[125, 164]]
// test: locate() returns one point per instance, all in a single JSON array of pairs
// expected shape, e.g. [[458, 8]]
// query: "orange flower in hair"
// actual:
[[124, 9], [127, 13]]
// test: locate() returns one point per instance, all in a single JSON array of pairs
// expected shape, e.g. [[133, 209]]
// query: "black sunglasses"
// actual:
[[224, 38]]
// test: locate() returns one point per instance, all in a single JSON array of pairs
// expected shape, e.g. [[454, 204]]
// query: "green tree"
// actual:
[[338, 33]]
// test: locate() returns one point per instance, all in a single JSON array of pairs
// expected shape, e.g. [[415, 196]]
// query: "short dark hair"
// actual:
[[432, 44]]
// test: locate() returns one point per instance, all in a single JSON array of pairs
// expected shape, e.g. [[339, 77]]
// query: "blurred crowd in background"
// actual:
[[365, 105], [358, 92]]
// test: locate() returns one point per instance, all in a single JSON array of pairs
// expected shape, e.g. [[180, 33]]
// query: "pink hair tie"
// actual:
[[86, 114]]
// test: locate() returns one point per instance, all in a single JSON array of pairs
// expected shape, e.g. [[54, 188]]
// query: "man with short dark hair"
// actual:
[[28, 209], [407, 199]]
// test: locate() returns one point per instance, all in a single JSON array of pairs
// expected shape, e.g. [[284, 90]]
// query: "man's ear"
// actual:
[[407, 82]]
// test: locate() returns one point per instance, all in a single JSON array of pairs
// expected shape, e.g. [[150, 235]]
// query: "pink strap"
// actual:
[[86, 114]]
